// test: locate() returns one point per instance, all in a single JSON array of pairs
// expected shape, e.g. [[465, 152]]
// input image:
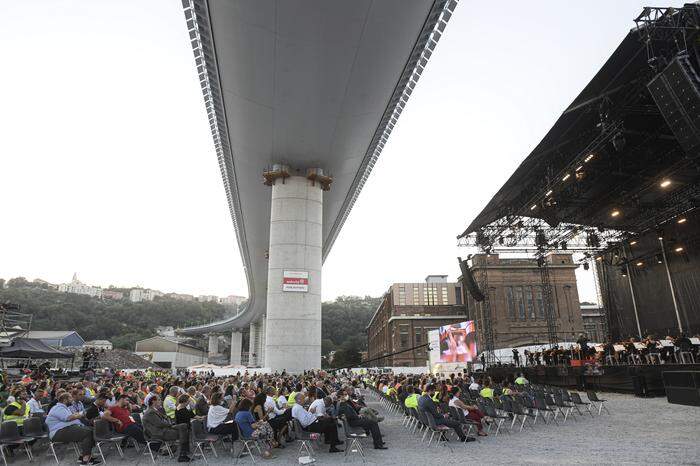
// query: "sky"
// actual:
[[107, 167]]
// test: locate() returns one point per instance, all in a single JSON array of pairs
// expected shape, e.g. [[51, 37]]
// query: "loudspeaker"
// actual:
[[469, 281], [682, 387], [676, 91]]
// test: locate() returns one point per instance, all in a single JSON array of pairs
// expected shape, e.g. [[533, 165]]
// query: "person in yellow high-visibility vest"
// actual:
[[521, 380], [411, 400], [487, 391], [17, 411], [170, 402]]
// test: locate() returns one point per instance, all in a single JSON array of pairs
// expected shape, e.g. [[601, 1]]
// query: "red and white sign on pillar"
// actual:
[[295, 280]]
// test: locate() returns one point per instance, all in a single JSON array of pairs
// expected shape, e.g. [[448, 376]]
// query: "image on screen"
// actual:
[[458, 342]]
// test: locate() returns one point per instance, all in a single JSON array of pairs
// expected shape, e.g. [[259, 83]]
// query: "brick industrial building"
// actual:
[[516, 299], [406, 314]]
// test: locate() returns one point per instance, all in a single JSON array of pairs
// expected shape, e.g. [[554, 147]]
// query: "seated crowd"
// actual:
[[159, 406]]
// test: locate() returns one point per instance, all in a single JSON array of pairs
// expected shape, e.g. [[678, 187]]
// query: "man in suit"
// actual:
[[427, 404], [158, 426], [346, 409]]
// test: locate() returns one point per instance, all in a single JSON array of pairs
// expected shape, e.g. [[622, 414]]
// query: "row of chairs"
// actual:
[[534, 403]]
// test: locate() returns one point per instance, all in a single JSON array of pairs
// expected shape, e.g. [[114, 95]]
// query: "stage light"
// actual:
[[682, 220], [679, 249], [659, 259], [533, 207], [599, 258], [566, 177], [633, 242], [665, 183], [549, 193], [623, 271], [615, 213], [589, 157], [640, 263], [579, 168]]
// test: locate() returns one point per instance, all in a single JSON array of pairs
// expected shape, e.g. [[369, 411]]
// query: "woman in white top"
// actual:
[[471, 412], [220, 419]]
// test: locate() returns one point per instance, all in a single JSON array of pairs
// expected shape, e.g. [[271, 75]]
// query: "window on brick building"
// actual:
[[403, 335], [510, 302], [444, 295], [530, 304], [521, 303], [540, 303], [458, 295], [402, 295], [416, 295]]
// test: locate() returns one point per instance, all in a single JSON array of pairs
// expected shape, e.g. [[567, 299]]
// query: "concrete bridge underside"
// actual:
[[307, 92]]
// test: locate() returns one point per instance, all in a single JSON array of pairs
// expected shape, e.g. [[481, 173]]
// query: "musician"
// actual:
[[583, 344]]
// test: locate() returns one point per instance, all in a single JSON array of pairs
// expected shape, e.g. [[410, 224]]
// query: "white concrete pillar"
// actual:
[[213, 345], [236, 347], [253, 340], [293, 329], [261, 341]]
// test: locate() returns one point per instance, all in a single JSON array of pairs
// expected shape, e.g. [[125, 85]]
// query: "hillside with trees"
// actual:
[[123, 322]]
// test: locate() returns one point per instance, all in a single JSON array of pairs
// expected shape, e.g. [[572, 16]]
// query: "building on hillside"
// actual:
[[179, 296], [136, 295], [594, 322], [57, 338], [516, 299], [99, 345], [78, 287], [407, 312], [166, 331], [208, 299], [113, 295], [169, 353], [232, 300]]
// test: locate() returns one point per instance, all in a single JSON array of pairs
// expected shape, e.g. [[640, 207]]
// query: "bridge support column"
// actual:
[[236, 347], [252, 348], [213, 345], [293, 330]]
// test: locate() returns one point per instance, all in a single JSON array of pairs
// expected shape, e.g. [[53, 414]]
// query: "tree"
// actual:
[[18, 282], [348, 355]]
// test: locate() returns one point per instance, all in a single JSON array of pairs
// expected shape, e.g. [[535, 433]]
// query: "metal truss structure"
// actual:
[[533, 236]]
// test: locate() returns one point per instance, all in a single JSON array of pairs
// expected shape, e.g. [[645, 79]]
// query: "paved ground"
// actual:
[[638, 431]]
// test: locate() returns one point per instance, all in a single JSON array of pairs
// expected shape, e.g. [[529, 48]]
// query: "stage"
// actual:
[[640, 380]]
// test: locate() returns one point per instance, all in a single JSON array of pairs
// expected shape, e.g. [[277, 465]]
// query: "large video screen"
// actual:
[[458, 342]]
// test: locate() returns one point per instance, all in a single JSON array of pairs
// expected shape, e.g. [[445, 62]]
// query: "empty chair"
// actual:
[[566, 409], [593, 398], [576, 400], [519, 411], [103, 435], [9, 435], [544, 410]]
